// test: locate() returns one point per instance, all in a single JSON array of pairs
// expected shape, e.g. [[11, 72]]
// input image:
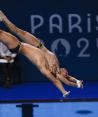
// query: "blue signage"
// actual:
[[68, 28]]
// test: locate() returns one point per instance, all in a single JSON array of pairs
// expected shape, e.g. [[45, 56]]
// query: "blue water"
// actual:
[[59, 109]]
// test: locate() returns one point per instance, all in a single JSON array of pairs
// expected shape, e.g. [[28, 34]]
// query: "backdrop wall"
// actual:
[[68, 28]]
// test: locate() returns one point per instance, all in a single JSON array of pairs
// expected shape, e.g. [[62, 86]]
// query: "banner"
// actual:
[[67, 28]]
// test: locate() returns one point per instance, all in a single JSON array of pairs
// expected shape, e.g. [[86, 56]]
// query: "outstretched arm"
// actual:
[[55, 81], [71, 81], [23, 35]]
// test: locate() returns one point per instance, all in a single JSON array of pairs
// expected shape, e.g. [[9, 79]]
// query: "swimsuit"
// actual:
[[16, 49]]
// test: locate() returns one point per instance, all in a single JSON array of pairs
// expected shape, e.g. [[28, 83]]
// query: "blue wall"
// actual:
[[68, 28]]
